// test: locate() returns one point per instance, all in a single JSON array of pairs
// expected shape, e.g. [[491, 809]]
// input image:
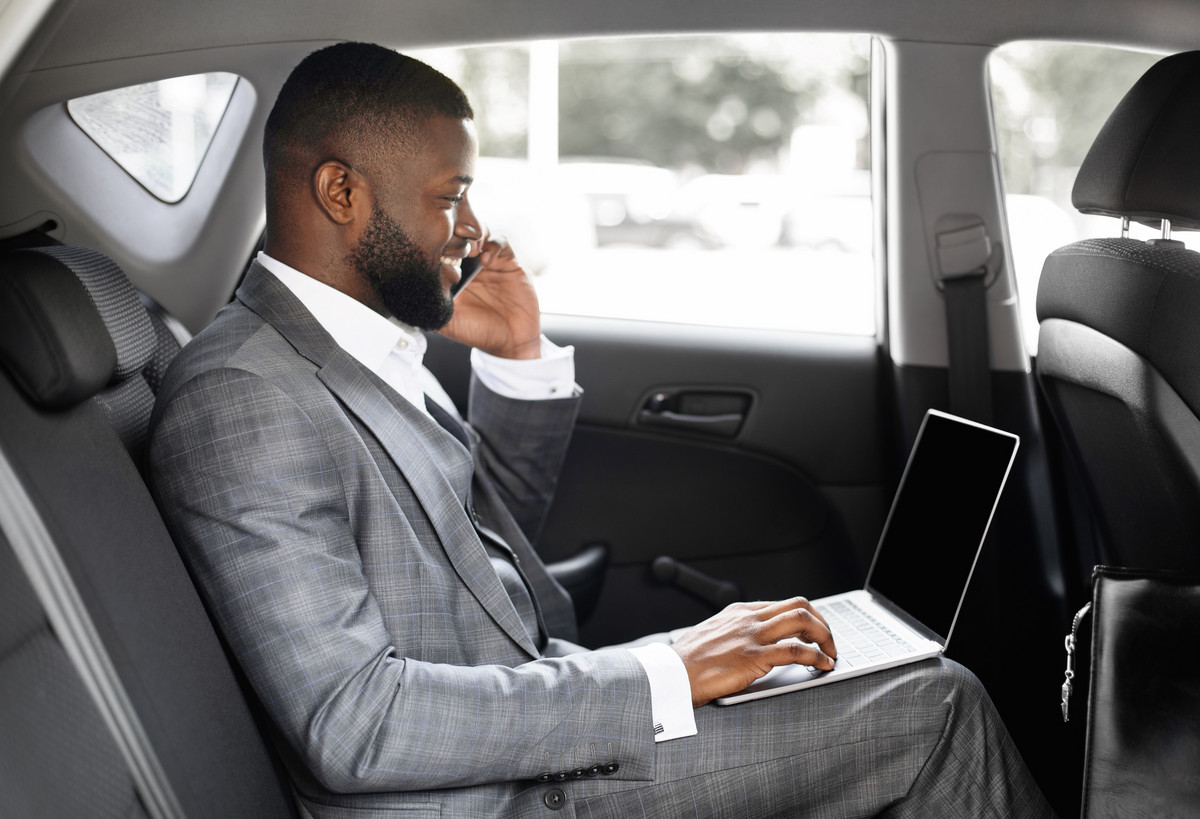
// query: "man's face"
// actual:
[[411, 250], [405, 279]]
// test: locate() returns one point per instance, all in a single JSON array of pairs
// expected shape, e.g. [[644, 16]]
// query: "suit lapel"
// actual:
[[403, 431]]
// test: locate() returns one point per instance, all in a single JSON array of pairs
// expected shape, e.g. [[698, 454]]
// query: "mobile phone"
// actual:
[[470, 266]]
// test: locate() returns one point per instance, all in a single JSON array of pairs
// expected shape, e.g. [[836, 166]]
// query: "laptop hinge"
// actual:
[[906, 618]]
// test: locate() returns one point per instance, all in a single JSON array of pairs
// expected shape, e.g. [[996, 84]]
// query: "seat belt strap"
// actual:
[[967, 262], [970, 372], [26, 533]]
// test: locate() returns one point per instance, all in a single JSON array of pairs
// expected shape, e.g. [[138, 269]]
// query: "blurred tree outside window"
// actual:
[[717, 180], [1050, 100]]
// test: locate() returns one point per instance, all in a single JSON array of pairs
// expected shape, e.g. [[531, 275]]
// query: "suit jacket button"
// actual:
[[560, 776], [555, 799], [594, 770], [545, 777], [578, 773], [610, 769]]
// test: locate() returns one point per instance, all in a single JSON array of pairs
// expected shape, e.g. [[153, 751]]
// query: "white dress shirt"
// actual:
[[395, 352]]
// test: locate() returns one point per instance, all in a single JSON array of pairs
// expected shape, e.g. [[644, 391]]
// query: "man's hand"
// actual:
[[498, 312], [739, 644]]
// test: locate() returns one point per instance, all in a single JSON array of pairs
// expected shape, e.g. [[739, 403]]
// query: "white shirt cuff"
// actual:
[[670, 691], [534, 379]]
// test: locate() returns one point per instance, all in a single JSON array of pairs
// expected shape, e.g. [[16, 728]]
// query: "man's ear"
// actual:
[[340, 191]]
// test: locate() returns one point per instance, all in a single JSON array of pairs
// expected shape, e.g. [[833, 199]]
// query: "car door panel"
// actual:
[[790, 503]]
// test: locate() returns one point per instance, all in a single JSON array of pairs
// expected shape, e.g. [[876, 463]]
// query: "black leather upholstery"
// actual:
[[1119, 345], [1142, 750]]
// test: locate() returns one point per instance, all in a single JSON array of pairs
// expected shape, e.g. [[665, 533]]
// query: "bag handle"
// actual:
[[1068, 685]]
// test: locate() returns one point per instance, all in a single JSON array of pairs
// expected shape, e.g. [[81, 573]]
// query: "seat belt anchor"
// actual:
[[967, 251]]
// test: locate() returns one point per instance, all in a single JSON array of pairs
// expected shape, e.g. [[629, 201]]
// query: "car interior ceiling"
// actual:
[[147, 706]]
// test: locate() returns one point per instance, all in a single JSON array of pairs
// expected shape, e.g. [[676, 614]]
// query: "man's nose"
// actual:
[[468, 226]]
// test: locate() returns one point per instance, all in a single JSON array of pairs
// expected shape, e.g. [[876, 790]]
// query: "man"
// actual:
[[366, 554]]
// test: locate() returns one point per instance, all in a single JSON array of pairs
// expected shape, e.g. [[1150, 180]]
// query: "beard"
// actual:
[[408, 283]]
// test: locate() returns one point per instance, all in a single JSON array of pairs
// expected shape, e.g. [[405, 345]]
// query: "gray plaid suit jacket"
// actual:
[[323, 519]]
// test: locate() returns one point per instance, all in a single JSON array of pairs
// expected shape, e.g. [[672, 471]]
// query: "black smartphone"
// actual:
[[470, 266]]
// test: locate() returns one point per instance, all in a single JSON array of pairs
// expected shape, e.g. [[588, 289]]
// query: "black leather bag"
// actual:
[[1142, 754]]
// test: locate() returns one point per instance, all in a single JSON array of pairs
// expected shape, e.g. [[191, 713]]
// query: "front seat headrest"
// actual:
[[1145, 163]]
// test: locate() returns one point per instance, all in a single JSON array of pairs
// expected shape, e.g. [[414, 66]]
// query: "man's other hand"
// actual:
[[741, 643], [498, 311]]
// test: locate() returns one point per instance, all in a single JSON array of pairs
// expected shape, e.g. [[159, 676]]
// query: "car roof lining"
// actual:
[[99, 30]]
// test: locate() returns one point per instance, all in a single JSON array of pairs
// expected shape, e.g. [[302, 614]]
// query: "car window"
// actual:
[[717, 180], [1050, 102], [159, 131]]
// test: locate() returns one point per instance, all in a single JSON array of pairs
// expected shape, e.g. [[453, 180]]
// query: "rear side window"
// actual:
[[1050, 102], [158, 132], [716, 180]]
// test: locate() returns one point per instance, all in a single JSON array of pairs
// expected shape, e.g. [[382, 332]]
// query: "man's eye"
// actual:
[[453, 199]]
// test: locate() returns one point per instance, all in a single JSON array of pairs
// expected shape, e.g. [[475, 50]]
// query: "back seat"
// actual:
[[80, 360]]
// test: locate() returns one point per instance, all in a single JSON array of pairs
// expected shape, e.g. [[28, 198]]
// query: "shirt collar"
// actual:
[[357, 329]]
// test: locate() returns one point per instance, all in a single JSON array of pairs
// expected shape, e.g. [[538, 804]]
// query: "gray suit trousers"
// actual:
[[923, 740]]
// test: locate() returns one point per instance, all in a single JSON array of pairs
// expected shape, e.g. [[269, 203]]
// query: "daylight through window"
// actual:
[[720, 180], [159, 131]]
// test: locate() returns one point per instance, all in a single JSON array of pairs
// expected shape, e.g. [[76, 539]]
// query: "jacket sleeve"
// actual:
[[523, 445], [259, 506]]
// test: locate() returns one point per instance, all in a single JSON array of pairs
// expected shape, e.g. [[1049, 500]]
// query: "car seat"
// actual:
[[1119, 344], [116, 697]]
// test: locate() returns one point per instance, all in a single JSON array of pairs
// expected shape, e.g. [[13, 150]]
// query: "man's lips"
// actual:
[[452, 269], [454, 259]]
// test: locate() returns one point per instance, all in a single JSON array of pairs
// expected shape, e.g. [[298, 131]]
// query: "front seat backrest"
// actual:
[[1119, 344]]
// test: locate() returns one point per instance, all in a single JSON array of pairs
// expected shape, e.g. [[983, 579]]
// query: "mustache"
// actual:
[[463, 247]]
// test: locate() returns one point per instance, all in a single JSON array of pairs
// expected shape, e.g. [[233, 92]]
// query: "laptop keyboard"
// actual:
[[861, 639]]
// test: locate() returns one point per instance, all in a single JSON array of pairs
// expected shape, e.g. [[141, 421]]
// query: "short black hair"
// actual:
[[348, 101]]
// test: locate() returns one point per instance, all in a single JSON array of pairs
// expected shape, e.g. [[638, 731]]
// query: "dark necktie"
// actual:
[[447, 421], [502, 558]]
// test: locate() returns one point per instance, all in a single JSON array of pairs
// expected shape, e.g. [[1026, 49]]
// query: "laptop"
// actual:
[[923, 563]]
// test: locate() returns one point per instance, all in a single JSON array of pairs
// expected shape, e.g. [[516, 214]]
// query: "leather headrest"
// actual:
[[1145, 163], [52, 338]]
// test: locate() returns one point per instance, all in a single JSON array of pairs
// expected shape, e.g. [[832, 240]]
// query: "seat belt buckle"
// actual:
[[965, 250]]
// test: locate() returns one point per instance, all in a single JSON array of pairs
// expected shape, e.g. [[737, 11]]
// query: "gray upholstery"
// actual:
[[1119, 345], [49, 724], [66, 450], [96, 337], [52, 340]]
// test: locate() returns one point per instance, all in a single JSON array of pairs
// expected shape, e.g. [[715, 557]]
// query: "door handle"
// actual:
[[719, 414]]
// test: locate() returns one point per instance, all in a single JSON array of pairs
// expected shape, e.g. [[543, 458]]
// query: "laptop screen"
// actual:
[[939, 517]]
